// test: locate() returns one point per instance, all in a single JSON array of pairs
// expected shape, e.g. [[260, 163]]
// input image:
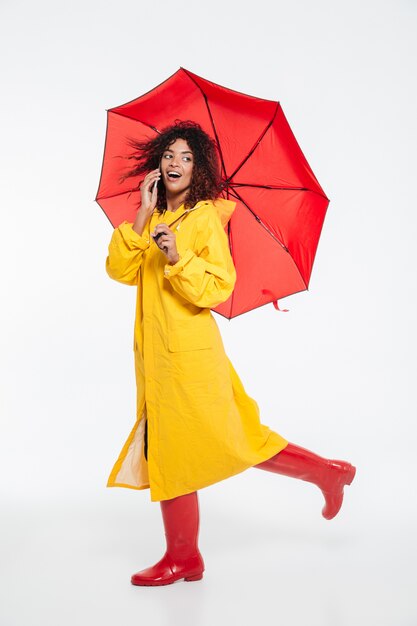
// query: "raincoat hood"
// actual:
[[225, 209]]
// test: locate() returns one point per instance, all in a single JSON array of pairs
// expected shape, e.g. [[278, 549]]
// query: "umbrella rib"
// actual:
[[232, 186], [135, 119], [231, 193], [114, 195], [278, 188], [258, 219], [212, 122], [269, 187], [256, 144]]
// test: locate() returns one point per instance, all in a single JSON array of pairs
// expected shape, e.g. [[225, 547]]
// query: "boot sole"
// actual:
[[157, 583]]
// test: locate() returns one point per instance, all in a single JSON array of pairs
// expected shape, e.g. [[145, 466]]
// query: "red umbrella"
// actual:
[[275, 228]]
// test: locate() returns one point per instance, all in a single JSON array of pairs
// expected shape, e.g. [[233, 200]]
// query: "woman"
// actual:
[[195, 423]]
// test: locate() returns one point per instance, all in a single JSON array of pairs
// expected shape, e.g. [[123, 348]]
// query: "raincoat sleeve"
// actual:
[[125, 254], [205, 276]]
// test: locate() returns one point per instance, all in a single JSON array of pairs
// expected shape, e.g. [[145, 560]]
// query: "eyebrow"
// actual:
[[182, 151]]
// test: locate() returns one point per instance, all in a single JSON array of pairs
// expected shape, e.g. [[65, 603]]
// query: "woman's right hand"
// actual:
[[149, 192]]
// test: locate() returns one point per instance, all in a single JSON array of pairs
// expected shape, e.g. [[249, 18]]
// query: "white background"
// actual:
[[335, 374]]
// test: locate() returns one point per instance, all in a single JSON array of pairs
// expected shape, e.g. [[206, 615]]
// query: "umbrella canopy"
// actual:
[[280, 206]]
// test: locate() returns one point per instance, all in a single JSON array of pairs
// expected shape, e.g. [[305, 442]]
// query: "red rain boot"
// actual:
[[329, 475], [182, 558]]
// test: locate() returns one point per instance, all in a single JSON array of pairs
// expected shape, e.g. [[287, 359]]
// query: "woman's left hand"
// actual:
[[166, 242]]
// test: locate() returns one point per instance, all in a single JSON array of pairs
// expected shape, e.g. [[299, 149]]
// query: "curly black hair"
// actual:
[[206, 180]]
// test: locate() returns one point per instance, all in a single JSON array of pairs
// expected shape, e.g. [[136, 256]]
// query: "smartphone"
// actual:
[[155, 185]]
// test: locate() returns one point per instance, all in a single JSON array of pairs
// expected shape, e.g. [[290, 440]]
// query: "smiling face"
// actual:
[[177, 167]]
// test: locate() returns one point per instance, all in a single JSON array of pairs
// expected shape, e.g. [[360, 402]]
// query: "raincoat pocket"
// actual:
[[186, 336]]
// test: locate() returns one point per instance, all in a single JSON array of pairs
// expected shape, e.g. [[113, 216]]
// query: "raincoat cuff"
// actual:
[[131, 237], [173, 270]]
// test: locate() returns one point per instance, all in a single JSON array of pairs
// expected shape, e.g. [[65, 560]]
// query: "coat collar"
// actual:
[[224, 208]]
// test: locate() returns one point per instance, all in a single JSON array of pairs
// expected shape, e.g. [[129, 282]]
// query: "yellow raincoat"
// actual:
[[202, 426]]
